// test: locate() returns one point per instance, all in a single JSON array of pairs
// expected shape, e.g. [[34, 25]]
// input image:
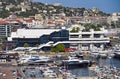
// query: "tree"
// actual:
[[75, 29], [2, 47], [53, 49], [26, 45], [3, 39], [60, 47], [37, 45], [4, 14]]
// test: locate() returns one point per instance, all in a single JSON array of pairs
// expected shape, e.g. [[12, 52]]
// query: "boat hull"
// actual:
[[116, 55], [75, 65]]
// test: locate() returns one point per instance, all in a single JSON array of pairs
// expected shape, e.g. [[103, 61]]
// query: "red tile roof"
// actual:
[[14, 21], [29, 20], [3, 22]]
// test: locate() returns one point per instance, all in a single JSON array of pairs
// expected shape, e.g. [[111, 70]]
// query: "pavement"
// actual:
[[6, 73]]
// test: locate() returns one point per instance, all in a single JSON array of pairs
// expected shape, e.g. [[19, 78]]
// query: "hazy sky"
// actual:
[[108, 6]]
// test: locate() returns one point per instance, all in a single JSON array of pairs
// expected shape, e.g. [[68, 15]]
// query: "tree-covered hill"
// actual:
[[27, 8]]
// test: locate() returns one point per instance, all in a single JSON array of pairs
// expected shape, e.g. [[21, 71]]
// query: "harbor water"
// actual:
[[100, 62], [35, 72]]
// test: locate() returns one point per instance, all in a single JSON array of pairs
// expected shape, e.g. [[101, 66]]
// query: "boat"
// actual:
[[49, 73], [103, 55], [72, 54], [94, 55], [67, 74], [74, 62], [79, 55], [32, 59], [117, 53]]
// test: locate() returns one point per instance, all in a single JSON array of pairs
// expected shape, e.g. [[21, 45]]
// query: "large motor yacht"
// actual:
[[74, 62], [31, 59]]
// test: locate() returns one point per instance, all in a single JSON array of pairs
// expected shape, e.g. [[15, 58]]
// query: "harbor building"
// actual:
[[83, 40]]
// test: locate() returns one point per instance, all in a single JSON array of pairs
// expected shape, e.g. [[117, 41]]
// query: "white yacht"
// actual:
[[30, 59]]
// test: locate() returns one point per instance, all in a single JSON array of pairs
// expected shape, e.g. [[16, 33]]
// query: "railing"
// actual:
[[91, 39]]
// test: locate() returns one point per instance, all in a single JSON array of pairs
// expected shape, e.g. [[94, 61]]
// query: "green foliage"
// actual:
[[26, 45], [3, 39], [37, 45], [111, 37], [58, 48], [14, 9], [112, 23], [4, 14], [53, 49], [116, 39], [2, 47], [75, 29], [89, 26], [40, 6]]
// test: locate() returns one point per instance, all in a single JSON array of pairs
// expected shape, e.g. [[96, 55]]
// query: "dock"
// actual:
[[62, 78], [86, 77]]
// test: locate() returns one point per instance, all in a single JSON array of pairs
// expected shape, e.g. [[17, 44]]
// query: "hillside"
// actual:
[[28, 8]]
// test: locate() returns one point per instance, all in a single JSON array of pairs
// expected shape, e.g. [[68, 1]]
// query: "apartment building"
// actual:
[[5, 29]]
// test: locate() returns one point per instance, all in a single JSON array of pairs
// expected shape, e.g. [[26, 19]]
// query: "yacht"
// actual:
[[31, 59], [103, 55], [117, 53], [74, 62], [67, 74], [49, 73], [94, 55]]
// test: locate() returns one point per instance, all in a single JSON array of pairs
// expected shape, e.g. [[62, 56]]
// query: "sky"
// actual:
[[107, 6]]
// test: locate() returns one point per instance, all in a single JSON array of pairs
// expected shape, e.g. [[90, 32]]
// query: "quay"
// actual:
[[62, 78], [6, 73]]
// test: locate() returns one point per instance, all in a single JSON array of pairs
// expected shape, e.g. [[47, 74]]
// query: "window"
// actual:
[[74, 36], [86, 36], [96, 35]]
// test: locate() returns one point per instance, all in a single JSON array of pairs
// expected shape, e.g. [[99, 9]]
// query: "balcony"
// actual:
[[90, 39]]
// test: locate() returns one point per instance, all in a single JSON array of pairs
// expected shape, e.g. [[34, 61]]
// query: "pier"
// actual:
[[62, 78]]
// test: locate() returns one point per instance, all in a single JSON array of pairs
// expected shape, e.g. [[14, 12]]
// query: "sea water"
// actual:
[[100, 62]]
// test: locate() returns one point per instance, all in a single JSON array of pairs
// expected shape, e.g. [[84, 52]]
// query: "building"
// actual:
[[116, 18], [85, 41], [89, 40], [5, 29], [38, 36]]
